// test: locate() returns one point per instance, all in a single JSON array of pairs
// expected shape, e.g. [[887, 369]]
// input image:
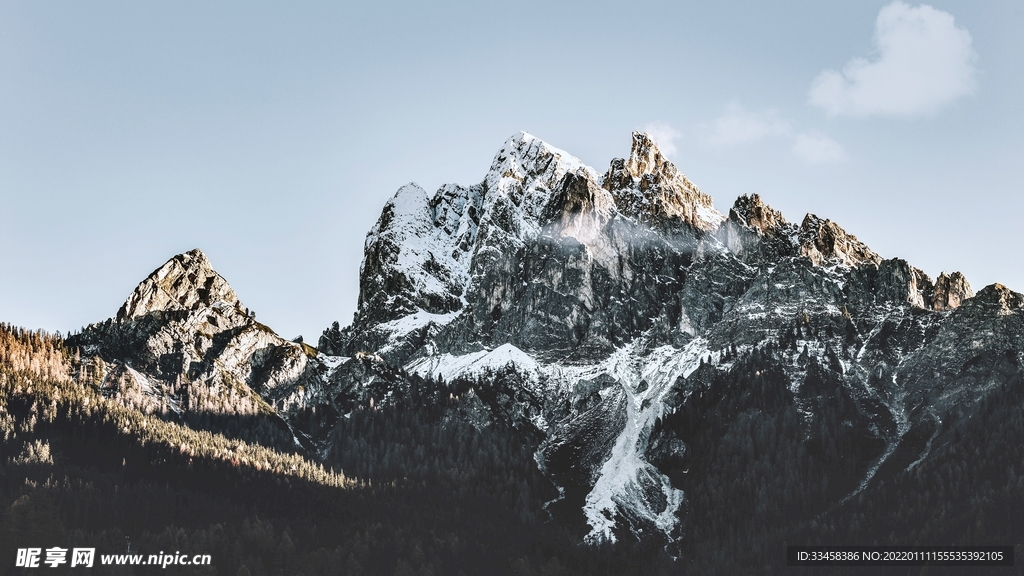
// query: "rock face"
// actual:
[[648, 188], [620, 323], [757, 232], [187, 341], [950, 291], [602, 255], [823, 241], [615, 300], [422, 252], [185, 282]]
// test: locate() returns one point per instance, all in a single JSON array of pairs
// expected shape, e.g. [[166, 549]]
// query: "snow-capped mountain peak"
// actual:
[[602, 304], [649, 351], [526, 158]]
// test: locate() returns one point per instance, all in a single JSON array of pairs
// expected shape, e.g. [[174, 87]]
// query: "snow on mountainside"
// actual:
[[427, 246], [606, 293], [422, 251], [618, 323]]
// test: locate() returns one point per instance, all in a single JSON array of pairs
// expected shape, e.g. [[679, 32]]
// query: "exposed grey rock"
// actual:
[[401, 273], [758, 233], [980, 344], [950, 291], [426, 254], [607, 295], [890, 281], [185, 282], [586, 310], [649, 188], [184, 334], [823, 241]]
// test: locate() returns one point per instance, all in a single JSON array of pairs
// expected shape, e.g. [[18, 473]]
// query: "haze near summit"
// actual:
[[271, 136]]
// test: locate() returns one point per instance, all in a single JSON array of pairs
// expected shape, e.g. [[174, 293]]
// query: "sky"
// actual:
[[270, 135]]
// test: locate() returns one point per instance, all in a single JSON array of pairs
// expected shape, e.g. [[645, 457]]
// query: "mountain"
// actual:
[[677, 376], [185, 322], [184, 344], [615, 299]]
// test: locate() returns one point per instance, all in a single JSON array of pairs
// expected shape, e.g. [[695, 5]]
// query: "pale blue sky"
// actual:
[[270, 135]]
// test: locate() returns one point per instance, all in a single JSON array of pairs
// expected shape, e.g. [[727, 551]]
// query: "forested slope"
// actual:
[[428, 493]]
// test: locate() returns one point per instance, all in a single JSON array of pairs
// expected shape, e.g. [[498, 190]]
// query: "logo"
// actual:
[[31, 557]]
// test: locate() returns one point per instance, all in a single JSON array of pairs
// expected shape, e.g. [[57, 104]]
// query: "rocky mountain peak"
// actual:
[[999, 299], [526, 160], [824, 241], [408, 263], [648, 187], [618, 327], [751, 211], [950, 291], [185, 282], [520, 183], [594, 307], [646, 158], [186, 342], [423, 252], [756, 232]]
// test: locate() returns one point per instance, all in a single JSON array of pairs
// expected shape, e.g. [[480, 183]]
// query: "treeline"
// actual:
[[767, 466], [438, 481], [433, 495], [35, 353], [751, 475], [968, 491]]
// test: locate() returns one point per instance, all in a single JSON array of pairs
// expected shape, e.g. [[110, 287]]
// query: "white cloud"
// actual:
[[664, 135], [817, 148], [739, 126], [923, 62]]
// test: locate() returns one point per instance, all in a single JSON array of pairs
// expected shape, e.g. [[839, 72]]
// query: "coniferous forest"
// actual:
[[415, 486], [423, 492]]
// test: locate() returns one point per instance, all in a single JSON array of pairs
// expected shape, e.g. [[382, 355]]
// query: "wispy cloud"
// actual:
[[817, 148], [737, 126], [740, 126], [923, 62], [664, 135]]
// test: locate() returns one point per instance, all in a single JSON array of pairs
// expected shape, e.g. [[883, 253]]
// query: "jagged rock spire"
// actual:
[[824, 240], [648, 187], [580, 207], [950, 291], [755, 231], [184, 282], [751, 211], [999, 299]]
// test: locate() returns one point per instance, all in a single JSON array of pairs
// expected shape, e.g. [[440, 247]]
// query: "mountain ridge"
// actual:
[[592, 311]]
